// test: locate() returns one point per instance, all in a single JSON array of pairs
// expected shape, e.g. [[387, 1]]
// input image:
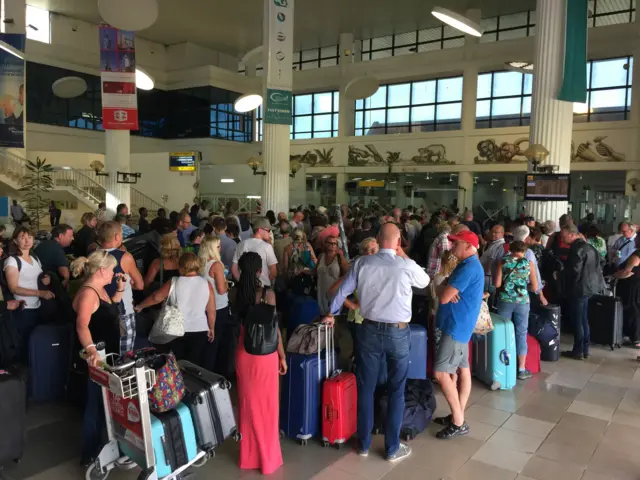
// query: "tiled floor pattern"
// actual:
[[576, 420]]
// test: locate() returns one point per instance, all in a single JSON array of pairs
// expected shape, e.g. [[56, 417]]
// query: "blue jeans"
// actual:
[[519, 314], [578, 308], [379, 346], [93, 427]]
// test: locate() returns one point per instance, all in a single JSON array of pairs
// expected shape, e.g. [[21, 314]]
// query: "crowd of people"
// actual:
[[362, 262]]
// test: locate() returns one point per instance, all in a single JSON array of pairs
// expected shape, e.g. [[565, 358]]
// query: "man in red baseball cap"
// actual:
[[460, 299]]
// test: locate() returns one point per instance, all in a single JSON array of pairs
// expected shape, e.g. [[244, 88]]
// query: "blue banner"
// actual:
[[12, 90]]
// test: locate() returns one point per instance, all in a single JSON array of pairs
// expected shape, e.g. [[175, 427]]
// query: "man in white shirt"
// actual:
[[260, 244]]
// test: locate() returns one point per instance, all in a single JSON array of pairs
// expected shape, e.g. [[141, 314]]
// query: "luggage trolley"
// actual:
[[128, 418]]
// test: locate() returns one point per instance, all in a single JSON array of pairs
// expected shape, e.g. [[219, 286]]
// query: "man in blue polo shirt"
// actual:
[[460, 299]]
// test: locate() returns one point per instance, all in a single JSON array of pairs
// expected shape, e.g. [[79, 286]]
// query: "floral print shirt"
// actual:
[[515, 277]]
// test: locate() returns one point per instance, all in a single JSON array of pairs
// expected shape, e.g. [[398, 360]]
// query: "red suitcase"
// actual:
[[339, 403], [533, 354]]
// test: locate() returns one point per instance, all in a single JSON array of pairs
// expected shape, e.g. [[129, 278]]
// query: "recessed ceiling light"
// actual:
[[356, 179], [227, 180], [457, 21], [144, 80], [522, 67], [247, 103], [254, 196]]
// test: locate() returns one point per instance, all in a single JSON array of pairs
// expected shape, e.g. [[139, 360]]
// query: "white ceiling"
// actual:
[[234, 27]]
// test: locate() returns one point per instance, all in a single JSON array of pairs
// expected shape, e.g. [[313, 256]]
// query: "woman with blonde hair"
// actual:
[[166, 267], [98, 320], [197, 302], [299, 256], [220, 356]]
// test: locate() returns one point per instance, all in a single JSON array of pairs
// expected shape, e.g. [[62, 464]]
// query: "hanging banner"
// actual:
[[12, 91], [118, 67], [574, 81], [278, 59]]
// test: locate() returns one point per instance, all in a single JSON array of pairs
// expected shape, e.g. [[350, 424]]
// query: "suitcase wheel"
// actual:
[[408, 437], [495, 385], [337, 445], [94, 474], [325, 444], [237, 436], [303, 442], [146, 474], [281, 434]]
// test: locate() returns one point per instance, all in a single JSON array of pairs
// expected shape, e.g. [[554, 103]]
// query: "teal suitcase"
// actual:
[[495, 362]]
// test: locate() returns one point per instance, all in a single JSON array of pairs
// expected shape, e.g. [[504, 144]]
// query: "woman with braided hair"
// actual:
[[258, 383]]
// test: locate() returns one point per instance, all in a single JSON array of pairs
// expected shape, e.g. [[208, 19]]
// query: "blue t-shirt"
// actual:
[[459, 319], [183, 235]]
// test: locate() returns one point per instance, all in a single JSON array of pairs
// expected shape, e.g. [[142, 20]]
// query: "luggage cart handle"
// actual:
[[100, 346]]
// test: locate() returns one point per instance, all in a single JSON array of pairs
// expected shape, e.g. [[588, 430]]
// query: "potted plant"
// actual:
[[35, 185]]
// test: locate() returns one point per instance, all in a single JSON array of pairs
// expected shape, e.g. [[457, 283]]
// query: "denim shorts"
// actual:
[[451, 355]]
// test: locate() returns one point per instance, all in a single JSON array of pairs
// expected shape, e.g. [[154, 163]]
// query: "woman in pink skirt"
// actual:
[[258, 383]]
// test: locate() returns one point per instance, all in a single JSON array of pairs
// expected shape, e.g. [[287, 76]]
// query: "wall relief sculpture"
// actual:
[[491, 152], [315, 158], [369, 156], [596, 151]]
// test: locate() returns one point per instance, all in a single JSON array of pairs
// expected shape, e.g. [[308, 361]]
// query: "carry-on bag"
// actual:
[[494, 359], [301, 394], [418, 353], [303, 310], [533, 354], [208, 398], [541, 328], [550, 352], [339, 402], [551, 314], [13, 415], [606, 320], [49, 362]]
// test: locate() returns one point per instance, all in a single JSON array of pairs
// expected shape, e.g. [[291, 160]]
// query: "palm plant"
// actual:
[[36, 184]]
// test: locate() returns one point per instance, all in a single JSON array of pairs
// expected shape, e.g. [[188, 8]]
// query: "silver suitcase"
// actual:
[[207, 396]]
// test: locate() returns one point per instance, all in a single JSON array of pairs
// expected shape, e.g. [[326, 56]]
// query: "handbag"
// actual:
[[168, 390], [484, 324], [307, 260], [261, 329], [170, 322]]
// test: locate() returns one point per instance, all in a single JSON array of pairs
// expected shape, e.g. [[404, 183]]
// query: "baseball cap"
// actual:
[[262, 223], [466, 236]]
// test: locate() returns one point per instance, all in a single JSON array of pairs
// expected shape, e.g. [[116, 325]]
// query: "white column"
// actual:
[[465, 191], [346, 113], [13, 10], [342, 197], [277, 64], [117, 159], [551, 119]]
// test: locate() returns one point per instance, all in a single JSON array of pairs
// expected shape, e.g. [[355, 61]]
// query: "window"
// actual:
[[315, 115], [38, 24], [611, 12], [437, 38], [505, 27], [503, 99], [608, 91], [316, 58], [411, 107]]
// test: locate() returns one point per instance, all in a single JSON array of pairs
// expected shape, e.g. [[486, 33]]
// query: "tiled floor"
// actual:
[[576, 420]]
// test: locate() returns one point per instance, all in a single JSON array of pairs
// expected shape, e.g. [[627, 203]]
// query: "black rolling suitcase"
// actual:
[[551, 314], [207, 396], [13, 415], [606, 320], [550, 352]]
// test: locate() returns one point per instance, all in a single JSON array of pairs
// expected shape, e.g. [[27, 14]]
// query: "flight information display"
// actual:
[[547, 187]]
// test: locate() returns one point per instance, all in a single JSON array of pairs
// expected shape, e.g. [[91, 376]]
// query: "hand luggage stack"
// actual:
[[418, 358], [534, 354], [303, 310], [606, 319], [545, 327], [494, 360]]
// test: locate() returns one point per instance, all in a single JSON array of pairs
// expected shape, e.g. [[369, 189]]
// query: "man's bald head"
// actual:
[[389, 236]]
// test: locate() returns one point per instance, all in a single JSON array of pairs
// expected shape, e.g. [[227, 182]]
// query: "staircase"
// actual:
[[84, 185]]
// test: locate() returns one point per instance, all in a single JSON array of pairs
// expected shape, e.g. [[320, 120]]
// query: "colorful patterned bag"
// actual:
[[168, 391], [484, 324]]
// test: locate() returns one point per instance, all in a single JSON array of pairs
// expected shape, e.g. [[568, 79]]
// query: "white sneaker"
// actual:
[[403, 452]]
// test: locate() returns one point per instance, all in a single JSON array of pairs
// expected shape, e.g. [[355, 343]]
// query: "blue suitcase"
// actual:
[[495, 362], [418, 353], [174, 440], [303, 310], [49, 362]]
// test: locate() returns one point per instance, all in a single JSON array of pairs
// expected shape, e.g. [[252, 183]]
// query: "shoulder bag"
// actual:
[[170, 322], [261, 329]]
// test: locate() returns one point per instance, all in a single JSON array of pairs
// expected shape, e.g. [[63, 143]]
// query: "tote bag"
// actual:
[[170, 322]]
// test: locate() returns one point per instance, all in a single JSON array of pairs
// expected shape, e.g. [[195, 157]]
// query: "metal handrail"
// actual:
[[139, 200]]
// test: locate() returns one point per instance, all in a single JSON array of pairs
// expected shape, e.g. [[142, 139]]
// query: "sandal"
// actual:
[[452, 430], [445, 421]]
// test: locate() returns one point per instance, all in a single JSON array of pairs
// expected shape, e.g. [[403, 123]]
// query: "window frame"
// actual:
[[593, 19], [32, 34], [529, 28], [523, 119], [414, 47]]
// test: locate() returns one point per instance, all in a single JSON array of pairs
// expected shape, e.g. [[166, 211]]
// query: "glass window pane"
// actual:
[[429, 47], [608, 99], [609, 73], [322, 122], [378, 99], [40, 19], [302, 104], [489, 24], [359, 116], [528, 84], [329, 62], [403, 39], [326, 52], [404, 50], [484, 85], [453, 43], [629, 98], [399, 94], [374, 118], [449, 111], [381, 42], [429, 34], [612, 19], [311, 54], [422, 114], [483, 108], [322, 102], [309, 65], [322, 134], [336, 101], [608, 6], [630, 69], [450, 32], [424, 92], [359, 104], [303, 135], [397, 116], [506, 84], [511, 34], [526, 106], [335, 123], [515, 20], [489, 37], [505, 107], [302, 124], [450, 89]]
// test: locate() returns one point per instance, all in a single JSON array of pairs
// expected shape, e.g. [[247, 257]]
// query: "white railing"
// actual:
[[81, 182], [139, 200], [12, 165]]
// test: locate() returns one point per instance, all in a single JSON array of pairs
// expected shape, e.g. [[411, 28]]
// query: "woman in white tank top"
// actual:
[[197, 303], [220, 356]]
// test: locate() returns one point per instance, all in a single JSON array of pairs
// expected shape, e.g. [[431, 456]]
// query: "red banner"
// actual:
[[118, 67]]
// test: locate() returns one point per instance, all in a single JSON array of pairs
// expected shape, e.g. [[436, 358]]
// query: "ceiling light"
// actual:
[[255, 197], [144, 80], [356, 179], [522, 67], [227, 180], [11, 49], [248, 102], [457, 21]]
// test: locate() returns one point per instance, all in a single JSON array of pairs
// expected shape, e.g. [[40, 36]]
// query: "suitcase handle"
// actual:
[[327, 337], [504, 357]]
